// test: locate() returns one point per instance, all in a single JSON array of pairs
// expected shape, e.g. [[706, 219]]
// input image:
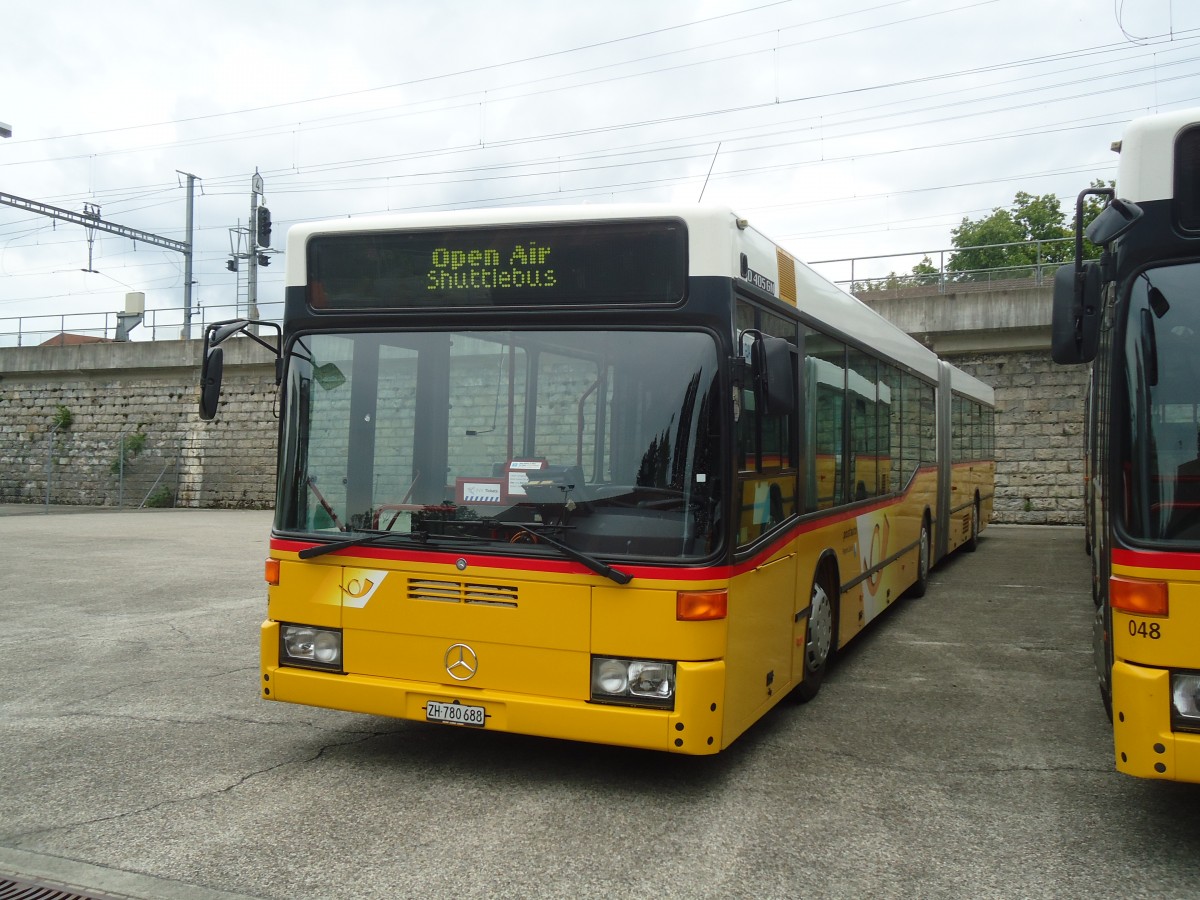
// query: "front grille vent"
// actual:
[[462, 592]]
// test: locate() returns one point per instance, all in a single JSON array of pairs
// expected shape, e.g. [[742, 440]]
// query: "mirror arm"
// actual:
[[1110, 193], [218, 332]]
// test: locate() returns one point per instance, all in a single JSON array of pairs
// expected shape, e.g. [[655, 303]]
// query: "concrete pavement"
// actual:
[[959, 749]]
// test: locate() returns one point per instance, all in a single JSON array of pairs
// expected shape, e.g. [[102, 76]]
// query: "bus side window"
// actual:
[[866, 455], [911, 431], [825, 394], [891, 423]]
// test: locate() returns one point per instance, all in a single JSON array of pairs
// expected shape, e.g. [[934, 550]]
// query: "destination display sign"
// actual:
[[574, 264]]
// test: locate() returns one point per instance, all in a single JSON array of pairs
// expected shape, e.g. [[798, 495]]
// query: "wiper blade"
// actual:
[[420, 537], [322, 549], [579, 556]]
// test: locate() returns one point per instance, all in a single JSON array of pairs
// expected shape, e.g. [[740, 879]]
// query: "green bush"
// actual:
[[131, 445], [161, 497]]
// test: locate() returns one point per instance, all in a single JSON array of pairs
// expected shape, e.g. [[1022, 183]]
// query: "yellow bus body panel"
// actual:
[[762, 604], [640, 623], [967, 480], [1144, 744]]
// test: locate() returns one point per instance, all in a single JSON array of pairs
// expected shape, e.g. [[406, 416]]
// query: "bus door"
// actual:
[[763, 593]]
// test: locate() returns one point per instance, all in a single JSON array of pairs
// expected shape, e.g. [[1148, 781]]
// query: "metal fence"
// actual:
[[156, 325], [137, 473], [923, 271]]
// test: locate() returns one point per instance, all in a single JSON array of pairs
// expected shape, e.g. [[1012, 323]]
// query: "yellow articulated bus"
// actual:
[[624, 474], [1134, 315]]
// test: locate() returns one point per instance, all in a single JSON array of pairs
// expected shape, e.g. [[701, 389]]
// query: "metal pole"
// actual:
[[49, 463], [187, 260], [252, 261], [121, 473]]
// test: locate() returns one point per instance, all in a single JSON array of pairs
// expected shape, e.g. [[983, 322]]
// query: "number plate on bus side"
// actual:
[[455, 713]]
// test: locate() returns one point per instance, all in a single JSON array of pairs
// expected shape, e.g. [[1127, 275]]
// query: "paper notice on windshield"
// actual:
[[517, 481], [518, 473]]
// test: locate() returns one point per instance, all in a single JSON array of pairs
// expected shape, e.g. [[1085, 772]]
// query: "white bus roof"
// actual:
[[970, 386], [717, 239], [1146, 168]]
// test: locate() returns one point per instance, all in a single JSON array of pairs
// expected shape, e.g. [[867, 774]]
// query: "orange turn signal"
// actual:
[[271, 571], [696, 606], [1142, 598]]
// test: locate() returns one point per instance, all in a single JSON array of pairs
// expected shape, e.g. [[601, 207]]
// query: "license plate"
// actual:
[[455, 713]]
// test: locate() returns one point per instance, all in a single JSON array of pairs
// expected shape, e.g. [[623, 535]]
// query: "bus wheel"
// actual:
[[1102, 651], [972, 543], [922, 583], [820, 643]]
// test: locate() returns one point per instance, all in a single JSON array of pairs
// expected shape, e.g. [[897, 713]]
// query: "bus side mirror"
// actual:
[[1075, 323], [210, 383], [1113, 221], [214, 363], [774, 377]]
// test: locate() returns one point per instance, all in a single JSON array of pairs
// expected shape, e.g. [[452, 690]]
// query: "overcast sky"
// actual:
[[841, 128]]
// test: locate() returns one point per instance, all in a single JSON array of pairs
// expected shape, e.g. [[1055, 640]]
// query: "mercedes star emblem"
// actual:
[[461, 662]]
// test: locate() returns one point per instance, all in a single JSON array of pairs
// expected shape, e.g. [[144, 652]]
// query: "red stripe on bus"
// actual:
[[524, 564], [1155, 559]]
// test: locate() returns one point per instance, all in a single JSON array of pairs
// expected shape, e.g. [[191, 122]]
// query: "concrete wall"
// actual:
[[114, 391]]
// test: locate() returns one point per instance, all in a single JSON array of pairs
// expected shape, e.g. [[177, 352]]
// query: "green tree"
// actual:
[[1092, 207], [1004, 244], [1001, 245], [925, 272]]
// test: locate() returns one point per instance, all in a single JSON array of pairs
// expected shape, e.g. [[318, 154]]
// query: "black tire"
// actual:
[[923, 562], [1103, 655], [820, 643]]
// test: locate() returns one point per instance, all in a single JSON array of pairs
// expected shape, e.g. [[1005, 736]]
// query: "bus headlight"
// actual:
[[1185, 700], [636, 682], [313, 648]]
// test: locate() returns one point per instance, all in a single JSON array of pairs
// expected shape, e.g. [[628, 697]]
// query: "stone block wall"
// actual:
[[1039, 435], [134, 435]]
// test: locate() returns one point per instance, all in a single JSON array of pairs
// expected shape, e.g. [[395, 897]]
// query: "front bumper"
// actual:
[[693, 727], [1144, 743]]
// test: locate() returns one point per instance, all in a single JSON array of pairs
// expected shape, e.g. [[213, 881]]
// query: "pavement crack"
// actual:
[[191, 798]]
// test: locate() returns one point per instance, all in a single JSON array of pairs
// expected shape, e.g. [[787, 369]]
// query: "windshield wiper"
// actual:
[[420, 537], [580, 557], [423, 537], [322, 549]]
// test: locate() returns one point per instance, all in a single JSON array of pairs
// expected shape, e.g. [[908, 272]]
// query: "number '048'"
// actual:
[[1150, 630]]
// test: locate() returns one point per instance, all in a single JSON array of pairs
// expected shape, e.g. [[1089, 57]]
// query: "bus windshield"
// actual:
[[603, 441], [1162, 432]]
